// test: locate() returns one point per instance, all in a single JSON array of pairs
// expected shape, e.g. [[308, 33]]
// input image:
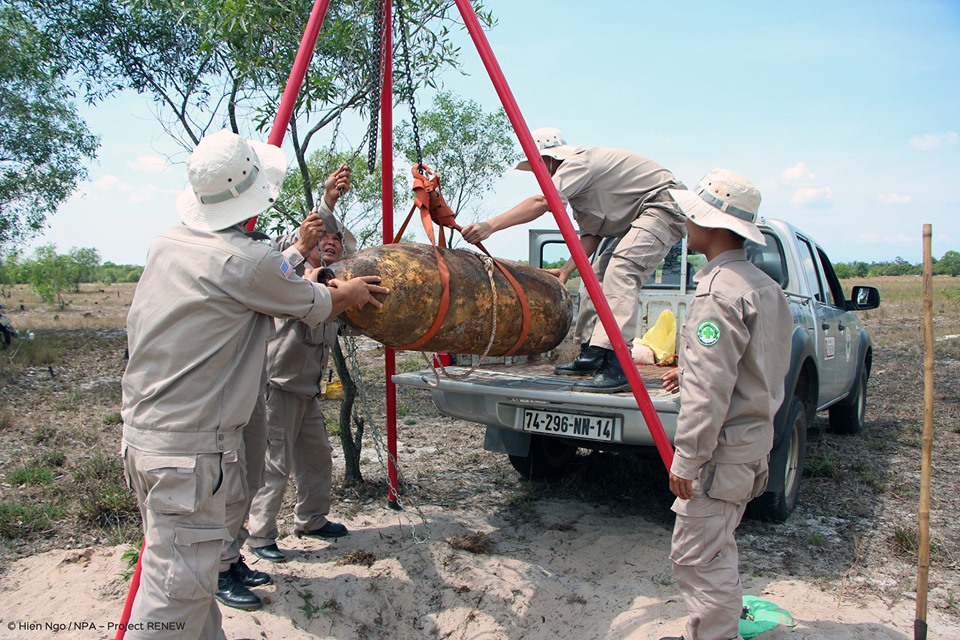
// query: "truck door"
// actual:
[[848, 325], [828, 322]]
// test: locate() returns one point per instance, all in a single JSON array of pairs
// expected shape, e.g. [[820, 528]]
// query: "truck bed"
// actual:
[[529, 376]]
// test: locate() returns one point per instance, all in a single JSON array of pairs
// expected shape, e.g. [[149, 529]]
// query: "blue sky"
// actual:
[[846, 115]]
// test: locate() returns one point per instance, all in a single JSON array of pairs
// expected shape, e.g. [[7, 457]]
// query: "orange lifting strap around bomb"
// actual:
[[434, 209]]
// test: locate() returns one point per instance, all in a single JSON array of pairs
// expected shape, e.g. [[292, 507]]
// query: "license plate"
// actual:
[[570, 425]]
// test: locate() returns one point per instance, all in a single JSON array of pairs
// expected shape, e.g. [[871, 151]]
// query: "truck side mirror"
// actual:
[[863, 298]]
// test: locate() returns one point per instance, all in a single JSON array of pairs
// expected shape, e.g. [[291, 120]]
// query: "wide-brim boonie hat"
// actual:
[[231, 180], [551, 143], [346, 237], [722, 200]]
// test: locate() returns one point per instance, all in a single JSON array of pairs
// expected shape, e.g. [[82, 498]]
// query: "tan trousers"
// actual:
[[297, 444], [622, 274], [182, 507], [246, 477], [704, 549]]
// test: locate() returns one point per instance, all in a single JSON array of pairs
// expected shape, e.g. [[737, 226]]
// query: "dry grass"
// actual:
[[899, 319], [95, 306]]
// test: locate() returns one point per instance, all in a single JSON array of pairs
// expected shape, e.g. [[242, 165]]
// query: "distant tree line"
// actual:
[[948, 265], [51, 275]]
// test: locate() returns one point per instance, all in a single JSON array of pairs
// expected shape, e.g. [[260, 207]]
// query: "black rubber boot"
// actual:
[[249, 577], [232, 593], [587, 363], [610, 379]]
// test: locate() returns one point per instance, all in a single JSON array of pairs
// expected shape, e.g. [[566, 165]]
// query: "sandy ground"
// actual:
[[580, 574]]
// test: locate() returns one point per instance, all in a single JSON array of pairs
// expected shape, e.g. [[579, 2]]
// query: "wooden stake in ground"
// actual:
[[923, 551]]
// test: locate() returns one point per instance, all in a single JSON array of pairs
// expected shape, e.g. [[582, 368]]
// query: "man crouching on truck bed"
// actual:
[[613, 194], [734, 354]]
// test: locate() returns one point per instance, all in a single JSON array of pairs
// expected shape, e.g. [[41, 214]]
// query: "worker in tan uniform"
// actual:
[[236, 578], [734, 355], [297, 440], [196, 333], [614, 194]]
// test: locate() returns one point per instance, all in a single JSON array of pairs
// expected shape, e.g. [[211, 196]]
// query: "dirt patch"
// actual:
[[478, 550]]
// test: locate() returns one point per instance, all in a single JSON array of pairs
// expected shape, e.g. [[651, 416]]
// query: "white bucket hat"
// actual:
[[347, 238], [722, 200], [231, 180], [551, 143]]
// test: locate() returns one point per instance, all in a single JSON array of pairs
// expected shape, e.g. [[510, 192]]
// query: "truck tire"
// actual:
[[4, 338], [786, 465], [847, 416], [548, 458]]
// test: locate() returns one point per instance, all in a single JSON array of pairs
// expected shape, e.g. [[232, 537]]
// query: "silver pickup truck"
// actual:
[[539, 421]]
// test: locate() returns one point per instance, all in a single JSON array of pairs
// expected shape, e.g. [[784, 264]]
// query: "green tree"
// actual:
[[208, 64], [948, 265], [468, 147], [49, 274], [44, 145], [86, 265]]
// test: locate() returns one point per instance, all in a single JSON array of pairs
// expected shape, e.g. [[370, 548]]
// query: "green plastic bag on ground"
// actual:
[[762, 615]]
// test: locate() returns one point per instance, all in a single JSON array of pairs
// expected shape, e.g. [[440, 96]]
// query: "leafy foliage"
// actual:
[[44, 145], [466, 146]]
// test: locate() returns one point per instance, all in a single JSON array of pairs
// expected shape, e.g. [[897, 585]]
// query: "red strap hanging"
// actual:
[[434, 209]]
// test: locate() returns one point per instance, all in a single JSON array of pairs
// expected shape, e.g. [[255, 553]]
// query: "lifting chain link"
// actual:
[[375, 81], [402, 28]]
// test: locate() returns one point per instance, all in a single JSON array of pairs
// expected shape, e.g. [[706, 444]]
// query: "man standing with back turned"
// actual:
[[197, 332], [734, 355]]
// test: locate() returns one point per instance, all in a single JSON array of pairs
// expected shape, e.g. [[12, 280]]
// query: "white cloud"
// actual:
[[110, 183], [148, 164], [929, 141], [798, 173], [151, 192], [895, 238], [813, 197], [894, 198]]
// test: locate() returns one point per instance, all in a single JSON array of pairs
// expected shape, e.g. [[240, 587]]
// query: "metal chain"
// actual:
[[402, 28], [333, 141], [375, 81], [488, 262], [353, 360]]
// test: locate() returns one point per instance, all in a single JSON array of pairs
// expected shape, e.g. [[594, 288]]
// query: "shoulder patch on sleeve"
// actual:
[[708, 333], [285, 268]]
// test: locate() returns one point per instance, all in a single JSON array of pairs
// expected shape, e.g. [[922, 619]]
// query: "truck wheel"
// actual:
[[548, 458], [786, 470], [847, 417], [4, 338]]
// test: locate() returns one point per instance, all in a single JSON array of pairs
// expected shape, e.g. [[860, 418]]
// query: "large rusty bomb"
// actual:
[[411, 273]]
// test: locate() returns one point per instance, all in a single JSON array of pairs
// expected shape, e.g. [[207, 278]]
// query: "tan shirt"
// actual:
[[610, 188], [197, 330], [734, 353], [297, 354]]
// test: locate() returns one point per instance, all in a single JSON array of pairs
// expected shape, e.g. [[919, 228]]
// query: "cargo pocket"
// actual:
[[732, 482], [698, 539], [232, 481], [171, 483], [193, 573]]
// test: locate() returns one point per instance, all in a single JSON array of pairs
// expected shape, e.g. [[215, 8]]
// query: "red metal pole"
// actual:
[[386, 178], [299, 70], [566, 229]]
